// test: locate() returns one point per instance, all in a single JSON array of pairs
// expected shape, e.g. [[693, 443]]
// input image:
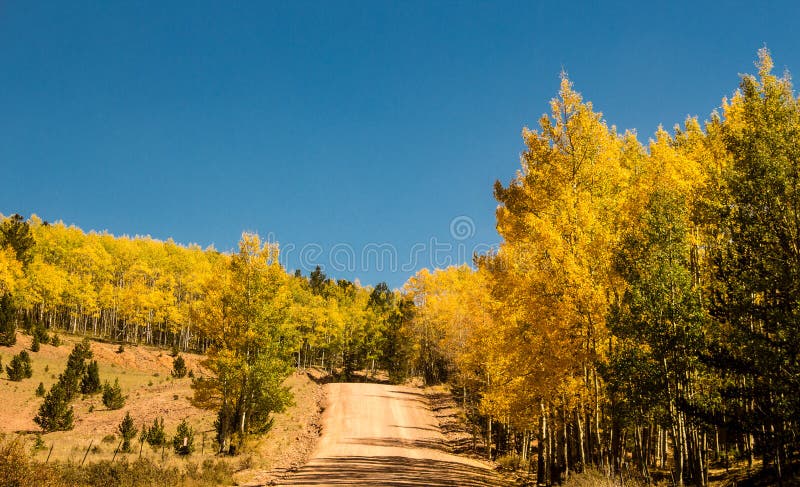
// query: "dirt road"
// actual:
[[382, 435]]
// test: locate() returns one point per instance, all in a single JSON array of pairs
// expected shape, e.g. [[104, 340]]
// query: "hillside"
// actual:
[[144, 375]]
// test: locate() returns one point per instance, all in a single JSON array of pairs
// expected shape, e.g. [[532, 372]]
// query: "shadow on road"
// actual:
[[390, 472]]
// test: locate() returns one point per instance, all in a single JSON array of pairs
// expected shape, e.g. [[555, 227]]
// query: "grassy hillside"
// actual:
[[144, 375]]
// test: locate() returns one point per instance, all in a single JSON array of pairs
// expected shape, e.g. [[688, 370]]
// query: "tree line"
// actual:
[[252, 319], [641, 311]]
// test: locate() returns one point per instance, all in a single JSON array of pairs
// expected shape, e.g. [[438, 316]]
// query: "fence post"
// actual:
[[84, 455]]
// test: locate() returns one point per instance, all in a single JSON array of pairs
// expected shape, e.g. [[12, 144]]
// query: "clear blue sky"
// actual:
[[334, 122]]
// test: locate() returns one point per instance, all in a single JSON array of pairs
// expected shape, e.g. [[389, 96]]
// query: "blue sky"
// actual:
[[334, 124]]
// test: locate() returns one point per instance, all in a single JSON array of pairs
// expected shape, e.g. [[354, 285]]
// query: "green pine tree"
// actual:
[[20, 367], [155, 434], [183, 441], [127, 431], [8, 324], [112, 395], [178, 367], [90, 384], [55, 413], [76, 368]]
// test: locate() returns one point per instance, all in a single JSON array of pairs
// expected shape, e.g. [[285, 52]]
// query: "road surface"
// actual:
[[384, 435]]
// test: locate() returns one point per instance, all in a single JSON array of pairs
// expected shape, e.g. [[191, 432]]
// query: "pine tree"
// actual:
[[178, 367], [76, 368], [127, 431], [35, 346], [112, 395], [90, 383], [40, 391], [183, 441], [15, 232], [40, 334], [8, 325], [155, 434], [55, 413], [20, 367]]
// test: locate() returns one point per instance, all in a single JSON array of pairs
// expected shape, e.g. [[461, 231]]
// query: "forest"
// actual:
[[640, 314]]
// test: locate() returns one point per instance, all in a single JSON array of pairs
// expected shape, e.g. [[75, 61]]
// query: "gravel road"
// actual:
[[384, 435]]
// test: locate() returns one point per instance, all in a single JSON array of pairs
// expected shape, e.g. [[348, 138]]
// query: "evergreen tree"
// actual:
[[179, 367], [40, 334], [127, 431], [318, 281], [155, 434], [90, 383], [183, 441], [8, 325], [55, 413], [20, 367], [76, 368], [35, 346], [16, 233], [40, 391], [112, 395]]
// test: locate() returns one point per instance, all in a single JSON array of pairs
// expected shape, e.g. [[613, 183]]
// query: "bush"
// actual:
[[156, 436], [35, 347], [55, 413], [16, 467], [40, 390], [90, 384], [112, 395], [183, 441], [127, 431], [510, 461], [38, 443], [121, 348], [55, 340], [178, 367], [20, 367]]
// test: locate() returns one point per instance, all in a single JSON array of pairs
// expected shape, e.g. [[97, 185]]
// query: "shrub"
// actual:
[[112, 395], [38, 443], [121, 348], [55, 413], [40, 390], [20, 367], [127, 431], [183, 441], [511, 461], [35, 347], [90, 384], [178, 367], [55, 340], [109, 439]]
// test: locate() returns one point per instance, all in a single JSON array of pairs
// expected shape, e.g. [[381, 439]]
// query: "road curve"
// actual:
[[384, 435]]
